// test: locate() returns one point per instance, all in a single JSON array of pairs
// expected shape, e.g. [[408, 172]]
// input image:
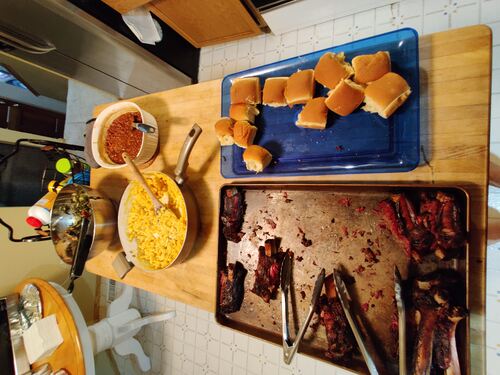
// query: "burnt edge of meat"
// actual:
[[437, 308], [233, 213], [341, 344], [436, 227], [268, 271], [232, 288]]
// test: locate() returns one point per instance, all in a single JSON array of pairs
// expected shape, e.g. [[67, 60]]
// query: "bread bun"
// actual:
[[244, 133], [331, 69], [386, 94], [245, 90], [224, 131], [368, 68], [243, 112], [345, 98], [274, 92], [313, 115], [256, 158], [300, 87]]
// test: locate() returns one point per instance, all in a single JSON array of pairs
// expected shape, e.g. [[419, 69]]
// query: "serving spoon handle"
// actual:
[[140, 178]]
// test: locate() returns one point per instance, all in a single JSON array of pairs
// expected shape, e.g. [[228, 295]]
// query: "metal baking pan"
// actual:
[[289, 211]]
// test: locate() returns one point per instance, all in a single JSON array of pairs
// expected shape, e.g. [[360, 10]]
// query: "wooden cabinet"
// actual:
[[28, 119], [201, 22], [3, 113]]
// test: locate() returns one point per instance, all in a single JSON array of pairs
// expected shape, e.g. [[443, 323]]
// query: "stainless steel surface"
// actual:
[[400, 304], [145, 128], [121, 265], [361, 339], [30, 305], [88, 50], [187, 147], [192, 214], [103, 222], [290, 347], [21, 363], [26, 42], [338, 234]]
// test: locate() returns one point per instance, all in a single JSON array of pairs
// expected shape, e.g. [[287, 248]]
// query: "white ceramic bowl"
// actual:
[[104, 120]]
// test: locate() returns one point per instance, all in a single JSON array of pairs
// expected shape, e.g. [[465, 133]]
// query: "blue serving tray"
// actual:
[[362, 142]]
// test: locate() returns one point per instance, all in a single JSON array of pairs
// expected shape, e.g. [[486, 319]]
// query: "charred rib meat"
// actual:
[[338, 333], [437, 226], [232, 287], [437, 299], [267, 274], [450, 236], [232, 214]]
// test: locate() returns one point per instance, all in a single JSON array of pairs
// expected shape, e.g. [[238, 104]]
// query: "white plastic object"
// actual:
[[41, 209], [104, 120], [118, 329], [42, 339], [142, 24]]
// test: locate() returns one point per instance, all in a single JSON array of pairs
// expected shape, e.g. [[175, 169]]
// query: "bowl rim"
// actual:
[[122, 227], [100, 124]]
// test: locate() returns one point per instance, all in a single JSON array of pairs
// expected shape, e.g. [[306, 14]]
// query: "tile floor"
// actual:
[[193, 343]]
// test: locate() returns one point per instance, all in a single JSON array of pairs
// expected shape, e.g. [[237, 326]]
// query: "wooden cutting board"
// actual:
[[455, 74]]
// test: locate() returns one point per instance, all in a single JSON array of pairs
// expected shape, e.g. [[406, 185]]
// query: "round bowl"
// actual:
[[103, 222], [130, 246], [104, 120]]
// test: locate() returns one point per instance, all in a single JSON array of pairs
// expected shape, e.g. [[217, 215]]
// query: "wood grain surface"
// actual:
[[68, 355], [124, 6], [455, 74], [206, 22]]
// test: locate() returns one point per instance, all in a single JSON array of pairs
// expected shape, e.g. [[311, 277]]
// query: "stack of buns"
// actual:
[[369, 79], [238, 128]]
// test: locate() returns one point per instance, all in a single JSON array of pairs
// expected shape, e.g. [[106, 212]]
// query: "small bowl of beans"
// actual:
[[115, 132]]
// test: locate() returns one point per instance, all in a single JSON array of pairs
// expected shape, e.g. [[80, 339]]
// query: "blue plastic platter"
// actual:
[[362, 142]]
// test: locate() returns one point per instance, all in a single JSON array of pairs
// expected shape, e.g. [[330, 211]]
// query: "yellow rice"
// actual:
[[159, 235]]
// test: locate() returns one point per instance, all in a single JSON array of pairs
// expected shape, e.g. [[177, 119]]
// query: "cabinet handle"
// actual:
[[23, 41]]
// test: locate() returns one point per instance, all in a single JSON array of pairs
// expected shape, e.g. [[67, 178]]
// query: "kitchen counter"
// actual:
[[455, 76]]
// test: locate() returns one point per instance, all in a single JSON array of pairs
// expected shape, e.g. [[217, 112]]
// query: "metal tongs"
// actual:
[[366, 347], [400, 303], [289, 347]]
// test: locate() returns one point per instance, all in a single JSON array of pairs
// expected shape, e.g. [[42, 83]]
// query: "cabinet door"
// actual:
[[3, 113], [206, 22], [40, 121]]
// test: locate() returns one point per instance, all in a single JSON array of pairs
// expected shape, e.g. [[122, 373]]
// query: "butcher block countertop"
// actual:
[[455, 80]]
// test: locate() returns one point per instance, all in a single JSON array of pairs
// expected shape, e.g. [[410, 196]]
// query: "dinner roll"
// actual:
[[224, 131], [313, 115], [368, 68], [386, 94], [256, 158], [345, 98], [300, 87], [243, 112], [274, 92], [244, 133], [331, 69], [245, 90]]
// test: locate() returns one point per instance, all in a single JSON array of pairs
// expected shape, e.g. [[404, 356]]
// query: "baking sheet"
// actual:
[[338, 233]]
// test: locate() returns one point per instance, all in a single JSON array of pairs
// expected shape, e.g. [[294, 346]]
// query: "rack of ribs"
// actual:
[[332, 317], [232, 287], [437, 226], [268, 271], [232, 214]]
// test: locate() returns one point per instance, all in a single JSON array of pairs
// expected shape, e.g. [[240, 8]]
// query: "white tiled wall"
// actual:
[[193, 343]]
